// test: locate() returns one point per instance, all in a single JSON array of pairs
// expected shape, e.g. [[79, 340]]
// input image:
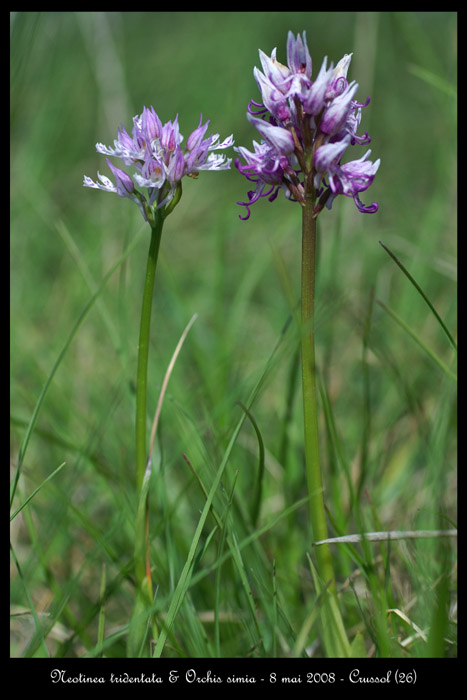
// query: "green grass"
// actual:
[[232, 560]]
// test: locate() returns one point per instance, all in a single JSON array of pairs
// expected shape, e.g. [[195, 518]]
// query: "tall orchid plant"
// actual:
[[306, 127], [160, 161]]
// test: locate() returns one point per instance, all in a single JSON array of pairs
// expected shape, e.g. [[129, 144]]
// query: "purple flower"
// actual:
[[278, 74], [281, 139], [327, 158], [350, 178], [313, 99], [160, 160], [335, 115], [306, 126], [125, 185], [273, 98], [338, 81], [264, 163]]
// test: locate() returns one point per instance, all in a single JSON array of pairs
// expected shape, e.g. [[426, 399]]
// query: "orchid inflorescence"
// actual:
[[160, 161], [306, 126]]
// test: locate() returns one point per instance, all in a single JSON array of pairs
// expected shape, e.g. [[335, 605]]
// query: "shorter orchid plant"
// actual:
[[306, 127], [160, 161]]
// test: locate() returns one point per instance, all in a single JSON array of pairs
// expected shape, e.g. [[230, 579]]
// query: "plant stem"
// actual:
[[142, 616], [313, 471], [143, 352], [144, 591], [333, 629]]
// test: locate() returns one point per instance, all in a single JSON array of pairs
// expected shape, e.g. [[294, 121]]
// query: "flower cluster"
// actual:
[[305, 127], [155, 151]]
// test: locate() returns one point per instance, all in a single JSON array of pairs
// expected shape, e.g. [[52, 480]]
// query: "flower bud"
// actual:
[[176, 167], [170, 135], [150, 124], [298, 56]]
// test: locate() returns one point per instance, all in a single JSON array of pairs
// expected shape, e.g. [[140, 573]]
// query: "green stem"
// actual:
[[332, 620], [156, 219], [313, 470], [143, 352], [138, 627], [142, 617]]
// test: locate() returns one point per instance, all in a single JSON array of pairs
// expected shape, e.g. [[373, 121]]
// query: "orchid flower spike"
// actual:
[[160, 161], [306, 126]]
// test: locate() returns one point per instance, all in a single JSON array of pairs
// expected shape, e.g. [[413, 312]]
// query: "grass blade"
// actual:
[[429, 352], [18, 510], [423, 295], [259, 481], [166, 382]]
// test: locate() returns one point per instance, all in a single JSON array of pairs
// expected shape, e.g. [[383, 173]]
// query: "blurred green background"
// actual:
[[75, 77]]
